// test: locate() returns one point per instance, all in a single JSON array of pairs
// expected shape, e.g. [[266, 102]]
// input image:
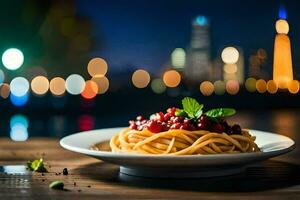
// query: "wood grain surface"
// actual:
[[89, 178]]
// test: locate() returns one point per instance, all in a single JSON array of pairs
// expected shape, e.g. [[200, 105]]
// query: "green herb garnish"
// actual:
[[58, 185], [37, 165], [220, 112], [192, 108]]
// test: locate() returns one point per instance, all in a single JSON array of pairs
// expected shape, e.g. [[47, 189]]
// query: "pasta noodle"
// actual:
[[182, 142]]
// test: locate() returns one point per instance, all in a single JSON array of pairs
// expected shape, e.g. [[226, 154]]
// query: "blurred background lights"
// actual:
[[97, 66], [90, 90], [250, 84], [40, 85], [75, 84], [19, 119], [206, 88], [219, 87], [171, 78], [12, 58], [293, 87], [102, 83], [282, 12], [19, 125], [158, 86], [19, 100], [230, 55], [201, 20], [261, 86], [140, 78], [230, 68], [2, 76], [4, 90], [18, 133], [178, 58], [19, 86], [232, 87], [272, 87], [282, 26], [57, 86]]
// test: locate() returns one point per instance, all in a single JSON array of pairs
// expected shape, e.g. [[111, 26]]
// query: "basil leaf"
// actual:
[[220, 112], [192, 107], [180, 113], [37, 165]]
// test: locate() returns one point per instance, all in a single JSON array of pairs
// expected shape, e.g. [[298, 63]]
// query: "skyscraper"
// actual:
[[198, 55]]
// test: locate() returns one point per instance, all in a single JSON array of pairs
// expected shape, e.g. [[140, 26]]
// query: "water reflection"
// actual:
[[59, 125]]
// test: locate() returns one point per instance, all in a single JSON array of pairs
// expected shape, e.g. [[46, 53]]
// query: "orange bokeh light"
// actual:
[[272, 87], [206, 88], [293, 87], [102, 83], [261, 86], [4, 90], [57, 86], [97, 66], [171, 78], [90, 90], [140, 78]]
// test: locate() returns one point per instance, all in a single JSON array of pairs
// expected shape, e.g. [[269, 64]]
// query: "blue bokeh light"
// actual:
[[19, 100], [201, 20], [19, 125], [282, 12]]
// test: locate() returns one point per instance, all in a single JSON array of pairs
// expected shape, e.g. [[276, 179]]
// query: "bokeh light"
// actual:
[[57, 86], [12, 58], [86, 122], [206, 88], [19, 86], [102, 83], [19, 119], [158, 86], [232, 87], [19, 101], [261, 86], [75, 84], [293, 87], [230, 55], [90, 90], [97, 66], [40, 85], [272, 87], [230, 68], [2, 76], [19, 126], [171, 78], [250, 84], [4, 90], [178, 58], [282, 26], [219, 87], [140, 78]]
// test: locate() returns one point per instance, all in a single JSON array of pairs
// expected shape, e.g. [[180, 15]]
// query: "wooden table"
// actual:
[[275, 179]]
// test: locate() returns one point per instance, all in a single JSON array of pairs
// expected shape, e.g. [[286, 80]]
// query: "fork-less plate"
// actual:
[[185, 166]]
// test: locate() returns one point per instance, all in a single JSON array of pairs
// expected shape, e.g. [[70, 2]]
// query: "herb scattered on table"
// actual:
[[65, 171], [57, 185], [36, 165]]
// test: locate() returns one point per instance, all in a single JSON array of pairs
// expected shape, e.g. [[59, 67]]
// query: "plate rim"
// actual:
[[106, 154]]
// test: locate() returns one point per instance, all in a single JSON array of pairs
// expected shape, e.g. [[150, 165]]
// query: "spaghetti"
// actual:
[[182, 142]]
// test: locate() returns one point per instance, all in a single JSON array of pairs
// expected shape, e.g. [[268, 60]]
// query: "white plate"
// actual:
[[178, 166]]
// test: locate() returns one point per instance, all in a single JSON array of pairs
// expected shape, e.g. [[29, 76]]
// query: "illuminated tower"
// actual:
[[282, 65], [198, 56]]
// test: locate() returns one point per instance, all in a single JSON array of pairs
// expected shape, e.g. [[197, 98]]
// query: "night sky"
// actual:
[[144, 33]]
